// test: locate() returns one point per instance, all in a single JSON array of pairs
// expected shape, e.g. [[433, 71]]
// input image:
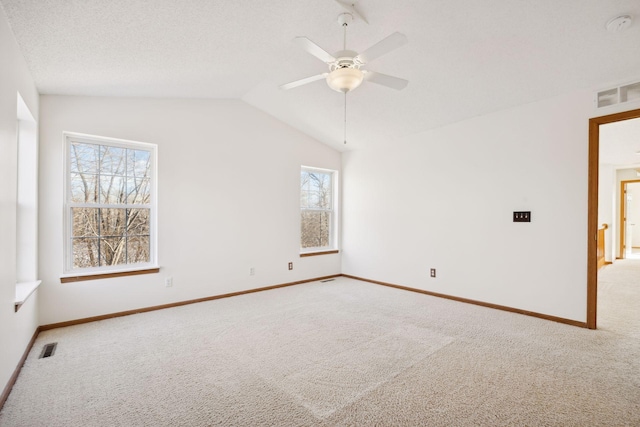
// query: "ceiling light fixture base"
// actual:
[[345, 19]]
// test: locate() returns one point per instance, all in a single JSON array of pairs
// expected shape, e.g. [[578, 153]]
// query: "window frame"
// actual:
[[333, 246], [68, 270]]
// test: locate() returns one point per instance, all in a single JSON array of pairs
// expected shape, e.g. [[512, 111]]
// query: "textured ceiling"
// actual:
[[464, 58]]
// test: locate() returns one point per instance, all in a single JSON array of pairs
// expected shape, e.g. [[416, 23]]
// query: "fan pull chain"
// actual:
[[345, 118]]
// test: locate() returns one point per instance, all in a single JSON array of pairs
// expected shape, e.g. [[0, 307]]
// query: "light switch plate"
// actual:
[[522, 216]]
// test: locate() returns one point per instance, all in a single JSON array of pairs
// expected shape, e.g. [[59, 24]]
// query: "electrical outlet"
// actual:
[[252, 271], [168, 282], [433, 272], [290, 266]]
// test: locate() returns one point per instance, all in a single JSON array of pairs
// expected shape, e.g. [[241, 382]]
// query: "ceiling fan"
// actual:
[[345, 66]]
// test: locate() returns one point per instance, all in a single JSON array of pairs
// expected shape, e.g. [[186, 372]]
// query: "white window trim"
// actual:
[[68, 270], [334, 236]]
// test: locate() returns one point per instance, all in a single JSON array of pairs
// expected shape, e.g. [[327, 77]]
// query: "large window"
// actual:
[[26, 205], [27, 196], [110, 204], [317, 210]]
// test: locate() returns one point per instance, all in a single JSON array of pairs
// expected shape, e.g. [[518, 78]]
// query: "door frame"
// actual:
[[592, 215], [623, 220]]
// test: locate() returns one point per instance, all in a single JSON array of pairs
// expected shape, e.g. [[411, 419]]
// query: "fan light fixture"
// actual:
[[345, 79], [344, 67]]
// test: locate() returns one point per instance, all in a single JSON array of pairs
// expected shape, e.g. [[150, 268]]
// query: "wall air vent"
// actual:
[[618, 95]]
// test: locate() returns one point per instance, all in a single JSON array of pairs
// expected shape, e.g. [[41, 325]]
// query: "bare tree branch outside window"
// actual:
[[110, 197]]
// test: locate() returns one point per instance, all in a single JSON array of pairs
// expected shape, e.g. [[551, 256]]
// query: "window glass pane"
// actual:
[[138, 222], [113, 222], [85, 252], [315, 190], [85, 222], [138, 163], [84, 188], [313, 199], [138, 249], [112, 160], [306, 190], [113, 251], [113, 189], [121, 234], [138, 191], [315, 230], [84, 158]]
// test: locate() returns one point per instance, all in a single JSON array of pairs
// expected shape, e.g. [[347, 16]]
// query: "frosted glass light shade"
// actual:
[[345, 79]]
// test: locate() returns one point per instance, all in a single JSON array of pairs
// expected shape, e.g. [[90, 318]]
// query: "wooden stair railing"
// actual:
[[600, 252]]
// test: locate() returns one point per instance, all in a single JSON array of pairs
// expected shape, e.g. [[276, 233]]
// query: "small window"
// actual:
[[317, 210], [110, 206]]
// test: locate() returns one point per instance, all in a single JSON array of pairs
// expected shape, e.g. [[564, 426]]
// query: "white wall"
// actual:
[[228, 200], [633, 213], [444, 199], [16, 329]]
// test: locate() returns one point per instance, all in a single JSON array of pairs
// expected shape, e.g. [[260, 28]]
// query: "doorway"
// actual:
[[592, 216], [630, 219]]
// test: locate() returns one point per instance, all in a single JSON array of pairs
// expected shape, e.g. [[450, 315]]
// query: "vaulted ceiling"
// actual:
[[464, 57]]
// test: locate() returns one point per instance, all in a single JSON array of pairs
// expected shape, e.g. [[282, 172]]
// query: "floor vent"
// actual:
[[328, 280], [48, 350]]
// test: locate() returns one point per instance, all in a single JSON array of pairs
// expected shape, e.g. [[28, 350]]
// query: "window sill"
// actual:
[[23, 291], [95, 276], [305, 254]]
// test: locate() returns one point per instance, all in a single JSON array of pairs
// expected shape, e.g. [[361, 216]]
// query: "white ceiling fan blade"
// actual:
[[386, 45], [350, 7], [303, 81], [314, 49], [382, 79]]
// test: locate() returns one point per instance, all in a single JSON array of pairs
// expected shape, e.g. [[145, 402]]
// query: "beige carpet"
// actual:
[[341, 353], [619, 298]]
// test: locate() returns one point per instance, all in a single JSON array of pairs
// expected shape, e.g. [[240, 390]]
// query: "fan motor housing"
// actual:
[[344, 59]]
